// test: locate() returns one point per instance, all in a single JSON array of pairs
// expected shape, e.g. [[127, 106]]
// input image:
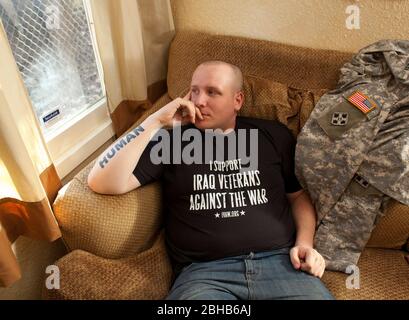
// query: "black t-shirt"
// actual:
[[230, 204]]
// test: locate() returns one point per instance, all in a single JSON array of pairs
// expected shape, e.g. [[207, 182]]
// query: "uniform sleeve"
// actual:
[[145, 170], [286, 146]]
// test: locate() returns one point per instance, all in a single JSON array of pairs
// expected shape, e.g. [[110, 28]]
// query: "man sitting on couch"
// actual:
[[237, 226]]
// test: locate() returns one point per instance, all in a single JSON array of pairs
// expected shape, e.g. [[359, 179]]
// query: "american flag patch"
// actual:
[[362, 102]]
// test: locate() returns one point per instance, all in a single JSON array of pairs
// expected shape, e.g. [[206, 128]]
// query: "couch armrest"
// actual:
[[146, 275], [108, 226]]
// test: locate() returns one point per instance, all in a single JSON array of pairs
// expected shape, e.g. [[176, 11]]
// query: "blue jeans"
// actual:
[[256, 276]]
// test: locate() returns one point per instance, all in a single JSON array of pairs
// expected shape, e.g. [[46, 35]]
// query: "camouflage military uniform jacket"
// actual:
[[353, 152]]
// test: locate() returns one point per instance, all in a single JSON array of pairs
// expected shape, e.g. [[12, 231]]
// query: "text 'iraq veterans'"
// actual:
[[223, 179]]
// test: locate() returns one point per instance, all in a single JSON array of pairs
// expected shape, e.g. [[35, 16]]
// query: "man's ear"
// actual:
[[238, 100]]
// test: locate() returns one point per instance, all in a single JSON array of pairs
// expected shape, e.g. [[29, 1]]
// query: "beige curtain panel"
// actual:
[[133, 38], [28, 179]]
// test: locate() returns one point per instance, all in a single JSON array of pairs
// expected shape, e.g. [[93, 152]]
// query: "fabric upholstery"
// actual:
[[86, 276], [296, 67], [384, 274], [268, 99], [392, 231], [108, 226]]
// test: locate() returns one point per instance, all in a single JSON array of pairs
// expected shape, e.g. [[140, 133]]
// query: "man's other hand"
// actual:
[[307, 259]]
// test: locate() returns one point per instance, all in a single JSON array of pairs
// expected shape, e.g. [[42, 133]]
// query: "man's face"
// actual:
[[215, 93]]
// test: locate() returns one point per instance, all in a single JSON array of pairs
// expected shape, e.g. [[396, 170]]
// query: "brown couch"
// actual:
[[116, 243]]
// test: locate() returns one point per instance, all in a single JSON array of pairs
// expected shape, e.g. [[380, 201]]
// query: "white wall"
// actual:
[[310, 23]]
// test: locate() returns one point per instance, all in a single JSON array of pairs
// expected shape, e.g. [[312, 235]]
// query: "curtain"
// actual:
[[28, 180], [133, 38]]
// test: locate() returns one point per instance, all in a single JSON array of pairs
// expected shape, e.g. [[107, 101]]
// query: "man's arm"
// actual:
[[303, 256], [113, 170]]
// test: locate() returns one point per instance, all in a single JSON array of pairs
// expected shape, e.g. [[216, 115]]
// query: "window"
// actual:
[[54, 47]]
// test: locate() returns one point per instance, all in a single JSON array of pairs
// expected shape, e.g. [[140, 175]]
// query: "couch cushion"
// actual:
[[269, 99], [384, 274], [83, 275], [392, 230], [294, 66]]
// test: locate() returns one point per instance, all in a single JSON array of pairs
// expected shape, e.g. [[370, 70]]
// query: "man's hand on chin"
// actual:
[[307, 259]]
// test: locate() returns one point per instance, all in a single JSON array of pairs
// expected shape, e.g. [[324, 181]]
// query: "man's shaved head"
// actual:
[[216, 91], [237, 76]]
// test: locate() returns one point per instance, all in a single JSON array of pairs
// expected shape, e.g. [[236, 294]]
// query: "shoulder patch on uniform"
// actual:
[[362, 102]]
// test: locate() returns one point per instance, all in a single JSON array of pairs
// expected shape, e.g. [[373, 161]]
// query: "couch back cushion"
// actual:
[[298, 67], [281, 81]]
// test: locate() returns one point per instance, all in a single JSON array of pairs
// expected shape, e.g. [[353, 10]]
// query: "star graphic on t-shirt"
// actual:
[[217, 215], [242, 212]]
